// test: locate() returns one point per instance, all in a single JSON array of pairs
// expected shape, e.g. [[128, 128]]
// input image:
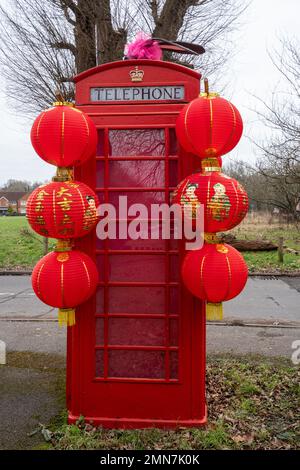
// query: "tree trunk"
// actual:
[[110, 43], [85, 40]]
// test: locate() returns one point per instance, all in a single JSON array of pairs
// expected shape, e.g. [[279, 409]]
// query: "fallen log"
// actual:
[[248, 245]]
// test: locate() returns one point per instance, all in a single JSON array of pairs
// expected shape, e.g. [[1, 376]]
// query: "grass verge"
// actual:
[[253, 403], [20, 246]]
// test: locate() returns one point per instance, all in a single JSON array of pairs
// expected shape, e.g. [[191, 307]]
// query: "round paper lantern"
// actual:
[[224, 200], [209, 126], [217, 272], [62, 209], [65, 280], [64, 136]]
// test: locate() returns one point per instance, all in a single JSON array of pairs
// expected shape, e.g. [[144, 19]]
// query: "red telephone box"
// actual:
[[136, 357]]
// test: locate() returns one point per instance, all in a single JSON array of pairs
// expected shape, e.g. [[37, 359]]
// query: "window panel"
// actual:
[[141, 268], [145, 243], [137, 331], [136, 142], [138, 197], [174, 365], [174, 301], [174, 268], [173, 142], [100, 300], [132, 174], [173, 332], [99, 331], [100, 145], [137, 364], [137, 300], [99, 363], [100, 174], [173, 173], [100, 266]]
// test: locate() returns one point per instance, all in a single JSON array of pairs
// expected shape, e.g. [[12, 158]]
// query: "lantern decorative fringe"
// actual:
[[62, 210], [214, 311], [65, 279], [64, 136], [66, 317], [217, 272], [224, 200], [209, 126]]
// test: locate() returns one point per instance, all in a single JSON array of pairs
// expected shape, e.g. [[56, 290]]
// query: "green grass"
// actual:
[[267, 261], [261, 227], [253, 403], [19, 250]]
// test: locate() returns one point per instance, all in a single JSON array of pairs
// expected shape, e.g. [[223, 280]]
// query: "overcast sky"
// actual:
[[251, 73]]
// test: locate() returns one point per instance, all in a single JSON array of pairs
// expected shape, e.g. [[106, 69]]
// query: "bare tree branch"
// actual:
[[46, 42]]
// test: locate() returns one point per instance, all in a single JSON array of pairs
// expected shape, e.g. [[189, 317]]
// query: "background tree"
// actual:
[[44, 43], [274, 180], [279, 163], [19, 185]]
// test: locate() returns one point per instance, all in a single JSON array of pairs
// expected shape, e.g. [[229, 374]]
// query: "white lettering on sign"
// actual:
[[147, 93]]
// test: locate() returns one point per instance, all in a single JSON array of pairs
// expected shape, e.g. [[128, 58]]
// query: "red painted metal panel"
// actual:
[[136, 357]]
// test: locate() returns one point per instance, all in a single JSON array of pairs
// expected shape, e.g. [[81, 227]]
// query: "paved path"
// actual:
[[48, 337], [264, 301]]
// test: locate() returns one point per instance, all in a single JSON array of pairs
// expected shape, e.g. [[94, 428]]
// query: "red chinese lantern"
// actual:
[[209, 126], [62, 210], [224, 200], [65, 280], [217, 272], [64, 136]]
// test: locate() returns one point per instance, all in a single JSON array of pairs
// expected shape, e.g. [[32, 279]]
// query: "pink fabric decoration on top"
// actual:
[[143, 47]]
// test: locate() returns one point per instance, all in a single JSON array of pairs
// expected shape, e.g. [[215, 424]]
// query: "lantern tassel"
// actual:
[[214, 311], [66, 317]]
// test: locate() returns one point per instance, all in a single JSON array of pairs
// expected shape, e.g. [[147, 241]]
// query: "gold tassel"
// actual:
[[214, 311], [66, 317]]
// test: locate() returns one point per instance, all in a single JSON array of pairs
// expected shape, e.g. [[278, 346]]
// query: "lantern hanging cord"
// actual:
[[206, 92], [206, 86]]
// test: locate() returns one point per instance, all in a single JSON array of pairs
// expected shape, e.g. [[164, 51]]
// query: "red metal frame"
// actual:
[[105, 398]]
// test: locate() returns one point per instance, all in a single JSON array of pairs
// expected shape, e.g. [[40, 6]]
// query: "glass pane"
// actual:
[[174, 365], [100, 266], [139, 268], [137, 364], [173, 142], [137, 142], [99, 363], [100, 300], [174, 242], [99, 331], [137, 197], [100, 146], [174, 268], [145, 243], [136, 300], [174, 332], [138, 173], [137, 331], [174, 300], [173, 173], [99, 244], [100, 195], [100, 174]]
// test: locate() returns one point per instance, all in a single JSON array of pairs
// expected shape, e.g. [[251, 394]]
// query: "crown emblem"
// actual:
[[136, 75]]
